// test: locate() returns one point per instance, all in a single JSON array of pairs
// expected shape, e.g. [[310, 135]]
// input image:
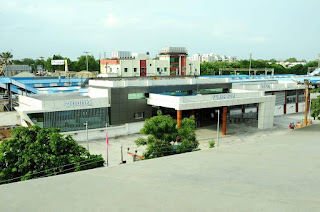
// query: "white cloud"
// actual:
[[112, 21]]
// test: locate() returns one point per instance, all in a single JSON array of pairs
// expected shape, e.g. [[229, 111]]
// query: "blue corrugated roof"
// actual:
[[31, 84], [42, 81], [5, 80]]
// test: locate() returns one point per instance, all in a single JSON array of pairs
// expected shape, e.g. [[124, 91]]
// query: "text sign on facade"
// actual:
[[57, 62], [82, 102], [265, 86], [224, 96]]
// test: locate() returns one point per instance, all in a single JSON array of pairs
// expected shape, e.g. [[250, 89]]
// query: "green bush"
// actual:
[[165, 138], [35, 152], [211, 144]]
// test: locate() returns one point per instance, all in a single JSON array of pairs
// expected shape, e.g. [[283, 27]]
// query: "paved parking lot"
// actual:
[[236, 133]]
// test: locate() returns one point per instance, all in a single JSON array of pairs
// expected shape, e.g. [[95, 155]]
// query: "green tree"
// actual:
[[164, 138], [39, 62], [291, 60], [35, 152], [315, 105], [17, 62], [52, 68], [6, 60], [273, 60], [47, 65], [30, 62], [81, 64]]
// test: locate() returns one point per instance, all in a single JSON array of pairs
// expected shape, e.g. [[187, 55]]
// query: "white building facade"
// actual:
[[172, 61]]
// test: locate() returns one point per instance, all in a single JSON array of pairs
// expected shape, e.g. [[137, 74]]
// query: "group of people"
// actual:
[[291, 126]]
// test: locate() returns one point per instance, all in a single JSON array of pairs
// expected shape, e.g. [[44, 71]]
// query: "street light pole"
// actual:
[[87, 58], [218, 111], [250, 63], [86, 123]]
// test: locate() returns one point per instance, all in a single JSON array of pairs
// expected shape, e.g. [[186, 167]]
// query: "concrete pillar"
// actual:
[[224, 121], [179, 116], [297, 103], [266, 112], [243, 110], [285, 103]]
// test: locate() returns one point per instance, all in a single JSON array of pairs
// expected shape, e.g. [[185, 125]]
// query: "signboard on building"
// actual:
[[39, 67], [81, 102], [224, 96], [57, 62], [266, 86]]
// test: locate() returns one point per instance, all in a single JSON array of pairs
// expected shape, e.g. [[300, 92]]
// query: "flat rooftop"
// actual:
[[59, 96], [278, 173]]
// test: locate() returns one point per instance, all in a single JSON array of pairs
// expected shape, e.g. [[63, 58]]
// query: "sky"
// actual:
[[277, 29]]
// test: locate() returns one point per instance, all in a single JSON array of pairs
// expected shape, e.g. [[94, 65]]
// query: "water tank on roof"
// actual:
[[168, 49], [121, 54]]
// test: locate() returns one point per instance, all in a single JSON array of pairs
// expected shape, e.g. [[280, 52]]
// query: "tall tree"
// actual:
[[6, 60], [81, 65]]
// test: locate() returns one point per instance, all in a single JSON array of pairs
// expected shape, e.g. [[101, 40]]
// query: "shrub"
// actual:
[[211, 143]]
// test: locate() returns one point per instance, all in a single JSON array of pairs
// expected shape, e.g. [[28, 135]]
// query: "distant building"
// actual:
[[171, 61], [213, 58], [290, 65], [12, 70]]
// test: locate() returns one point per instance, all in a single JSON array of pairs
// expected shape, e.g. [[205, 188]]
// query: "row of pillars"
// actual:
[[297, 102], [224, 119]]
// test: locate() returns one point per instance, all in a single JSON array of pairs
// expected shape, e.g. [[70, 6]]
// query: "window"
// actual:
[[136, 96], [125, 69], [174, 60], [291, 96], [165, 69], [210, 91], [158, 69], [138, 115], [73, 120], [143, 70], [134, 69], [150, 64], [37, 118]]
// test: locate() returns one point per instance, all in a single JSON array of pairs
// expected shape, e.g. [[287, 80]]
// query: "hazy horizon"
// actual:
[[267, 29]]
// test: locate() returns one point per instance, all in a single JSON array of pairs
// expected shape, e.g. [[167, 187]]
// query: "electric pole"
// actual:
[[307, 102], [308, 85], [87, 58], [218, 111], [250, 63], [86, 124]]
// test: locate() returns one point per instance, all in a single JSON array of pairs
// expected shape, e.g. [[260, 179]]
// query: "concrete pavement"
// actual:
[[278, 173]]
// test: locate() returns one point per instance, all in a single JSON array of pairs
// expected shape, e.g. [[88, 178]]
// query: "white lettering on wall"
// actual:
[[224, 96], [265, 86], [82, 102]]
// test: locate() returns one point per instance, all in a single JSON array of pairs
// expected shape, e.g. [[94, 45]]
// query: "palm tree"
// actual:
[[5, 60]]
